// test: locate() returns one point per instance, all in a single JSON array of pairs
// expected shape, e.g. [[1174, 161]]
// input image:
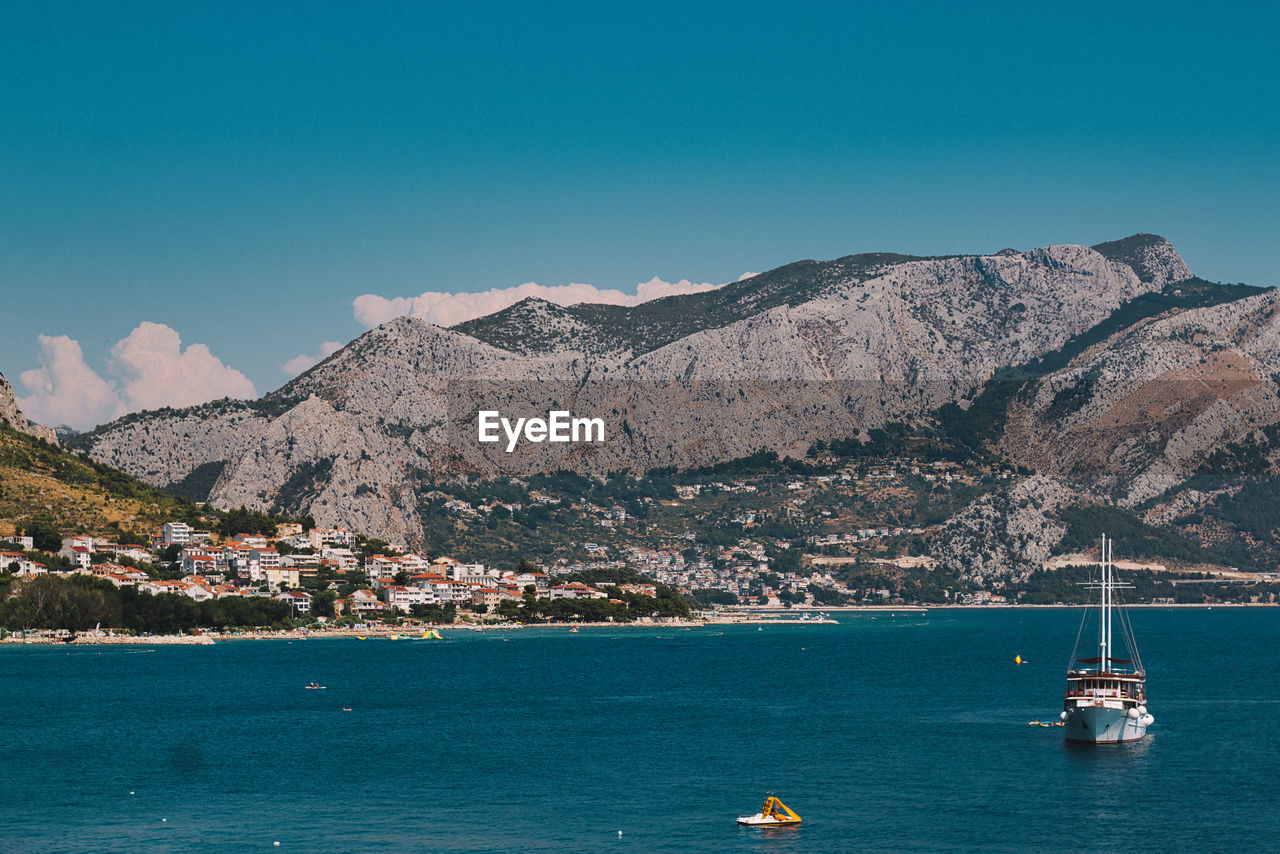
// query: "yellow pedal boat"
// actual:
[[773, 813]]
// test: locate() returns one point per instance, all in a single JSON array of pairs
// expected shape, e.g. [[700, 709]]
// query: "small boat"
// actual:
[[1106, 697], [773, 813], [573, 630], [316, 686]]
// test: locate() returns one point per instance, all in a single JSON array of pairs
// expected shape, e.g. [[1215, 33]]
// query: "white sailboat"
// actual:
[[1106, 697]]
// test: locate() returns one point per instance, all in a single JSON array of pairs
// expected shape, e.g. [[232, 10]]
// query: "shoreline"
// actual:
[[776, 617], [112, 640]]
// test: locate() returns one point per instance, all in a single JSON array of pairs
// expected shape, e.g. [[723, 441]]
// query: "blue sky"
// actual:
[[239, 175]]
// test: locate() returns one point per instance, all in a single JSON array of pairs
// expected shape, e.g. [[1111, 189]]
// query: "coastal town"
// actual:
[[322, 574], [808, 536], [330, 574]]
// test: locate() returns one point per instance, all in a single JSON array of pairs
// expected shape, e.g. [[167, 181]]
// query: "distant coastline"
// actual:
[[774, 617]]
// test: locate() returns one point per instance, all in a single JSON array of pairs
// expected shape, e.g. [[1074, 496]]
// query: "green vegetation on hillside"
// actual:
[[49, 492], [1134, 538], [44, 486], [197, 485]]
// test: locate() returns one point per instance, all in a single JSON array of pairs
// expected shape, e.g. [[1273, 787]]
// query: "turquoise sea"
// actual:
[[886, 733]]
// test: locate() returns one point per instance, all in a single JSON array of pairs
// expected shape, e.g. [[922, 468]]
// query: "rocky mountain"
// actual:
[[1141, 413], [11, 415], [813, 350]]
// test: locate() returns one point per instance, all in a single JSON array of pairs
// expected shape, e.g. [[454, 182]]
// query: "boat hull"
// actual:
[[1102, 725]]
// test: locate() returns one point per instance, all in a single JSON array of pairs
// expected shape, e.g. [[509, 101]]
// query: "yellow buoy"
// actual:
[[1017, 659]]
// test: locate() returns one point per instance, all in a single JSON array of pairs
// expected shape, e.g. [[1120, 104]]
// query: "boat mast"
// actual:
[[1104, 617], [1107, 593]]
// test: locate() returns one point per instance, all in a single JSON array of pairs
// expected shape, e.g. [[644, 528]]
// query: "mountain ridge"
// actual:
[[812, 350]]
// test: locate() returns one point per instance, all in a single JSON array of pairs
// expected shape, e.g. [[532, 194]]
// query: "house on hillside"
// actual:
[[299, 601], [575, 590], [20, 564], [365, 602]]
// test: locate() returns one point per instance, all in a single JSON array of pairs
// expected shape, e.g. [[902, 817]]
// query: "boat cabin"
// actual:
[[1128, 686]]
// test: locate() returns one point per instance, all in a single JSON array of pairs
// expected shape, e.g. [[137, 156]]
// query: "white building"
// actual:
[[382, 566], [21, 564], [199, 562], [298, 600], [474, 573], [81, 556], [412, 563], [342, 558], [446, 591], [175, 532], [266, 558], [308, 564], [321, 537], [198, 592], [575, 590], [403, 598], [539, 580], [365, 602]]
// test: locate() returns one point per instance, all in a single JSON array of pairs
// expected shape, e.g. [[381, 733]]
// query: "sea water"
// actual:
[[885, 733]]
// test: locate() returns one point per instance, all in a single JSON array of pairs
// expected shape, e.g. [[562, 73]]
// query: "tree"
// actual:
[[374, 547], [50, 602], [715, 597], [322, 603], [509, 609], [46, 537]]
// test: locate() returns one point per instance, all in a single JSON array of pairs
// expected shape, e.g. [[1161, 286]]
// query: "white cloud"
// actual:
[[449, 309], [65, 390], [149, 369], [304, 362], [157, 372]]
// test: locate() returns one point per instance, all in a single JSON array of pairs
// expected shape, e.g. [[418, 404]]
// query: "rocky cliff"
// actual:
[[11, 415], [814, 350]]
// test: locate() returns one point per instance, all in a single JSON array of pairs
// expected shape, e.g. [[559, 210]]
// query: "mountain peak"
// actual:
[[536, 325], [1151, 256]]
